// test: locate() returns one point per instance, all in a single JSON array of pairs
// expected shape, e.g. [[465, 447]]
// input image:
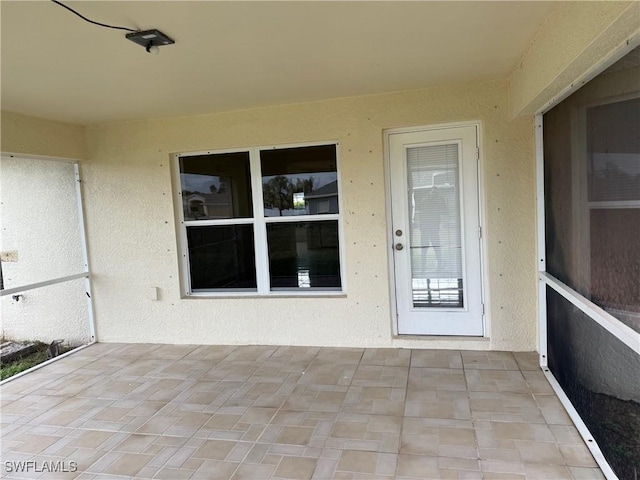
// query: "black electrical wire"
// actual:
[[91, 21]]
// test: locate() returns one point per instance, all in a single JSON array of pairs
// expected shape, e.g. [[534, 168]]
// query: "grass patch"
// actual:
[[18, 365]]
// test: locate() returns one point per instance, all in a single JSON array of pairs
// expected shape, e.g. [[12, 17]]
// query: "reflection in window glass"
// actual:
[[217, 196], [304, 255], [216, 186], [613, 151], [222, 257], [592, 190], [299, 181], [621, 297]]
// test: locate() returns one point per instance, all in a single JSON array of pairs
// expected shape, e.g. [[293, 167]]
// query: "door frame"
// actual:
[[484, 287]]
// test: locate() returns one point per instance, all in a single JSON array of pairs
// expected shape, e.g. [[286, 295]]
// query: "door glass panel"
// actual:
[[435, 228]]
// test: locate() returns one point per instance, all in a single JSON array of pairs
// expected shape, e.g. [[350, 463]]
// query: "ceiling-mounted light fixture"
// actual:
[[151, 40]]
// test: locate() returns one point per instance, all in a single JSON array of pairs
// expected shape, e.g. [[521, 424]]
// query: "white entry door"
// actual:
[[436, 231]]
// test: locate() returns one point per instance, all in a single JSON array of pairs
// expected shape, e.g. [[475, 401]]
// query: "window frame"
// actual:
[[259, 221], [582, 206]]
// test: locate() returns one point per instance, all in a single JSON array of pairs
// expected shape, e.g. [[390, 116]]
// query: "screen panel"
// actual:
[[592, 190], [601, 377]]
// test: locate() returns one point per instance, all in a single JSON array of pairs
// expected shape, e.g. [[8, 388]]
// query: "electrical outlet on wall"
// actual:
[[9, 256], [154, 293]]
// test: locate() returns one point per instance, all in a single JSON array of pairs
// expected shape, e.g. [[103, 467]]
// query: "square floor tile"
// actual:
[[286, 412]]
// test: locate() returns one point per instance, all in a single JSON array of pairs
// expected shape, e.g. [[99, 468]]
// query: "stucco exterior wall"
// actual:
[[575, 37], [36, 136], [132, 231], [41, 237], [48, 313]]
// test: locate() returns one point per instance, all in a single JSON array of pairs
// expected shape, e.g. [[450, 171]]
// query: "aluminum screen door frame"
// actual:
[[467, 320], [86, 274]]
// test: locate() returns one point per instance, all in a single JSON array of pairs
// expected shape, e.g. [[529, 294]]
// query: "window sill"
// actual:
[[236, 295]]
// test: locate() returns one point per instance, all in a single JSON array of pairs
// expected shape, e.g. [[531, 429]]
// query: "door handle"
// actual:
[[399, 246]]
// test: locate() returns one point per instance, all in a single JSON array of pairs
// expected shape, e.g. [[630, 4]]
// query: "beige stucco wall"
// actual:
[[36, 136], [131, 222], [575, 37]]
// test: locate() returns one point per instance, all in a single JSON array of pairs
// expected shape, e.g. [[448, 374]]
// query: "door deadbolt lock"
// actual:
[[398, 233], [399, 246]]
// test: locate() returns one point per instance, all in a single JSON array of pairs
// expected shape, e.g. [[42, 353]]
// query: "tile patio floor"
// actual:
[[261, 412]]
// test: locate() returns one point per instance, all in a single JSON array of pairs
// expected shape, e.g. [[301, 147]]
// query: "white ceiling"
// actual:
[[236, 55]]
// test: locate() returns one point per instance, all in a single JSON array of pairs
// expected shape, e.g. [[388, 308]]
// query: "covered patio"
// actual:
[[260, 412], [318, 240]]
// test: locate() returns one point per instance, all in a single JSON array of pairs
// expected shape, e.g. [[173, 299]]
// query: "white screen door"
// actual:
[[436, 231]]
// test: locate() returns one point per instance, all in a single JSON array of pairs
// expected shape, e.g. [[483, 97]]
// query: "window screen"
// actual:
[[592, 191], [592, 214]]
